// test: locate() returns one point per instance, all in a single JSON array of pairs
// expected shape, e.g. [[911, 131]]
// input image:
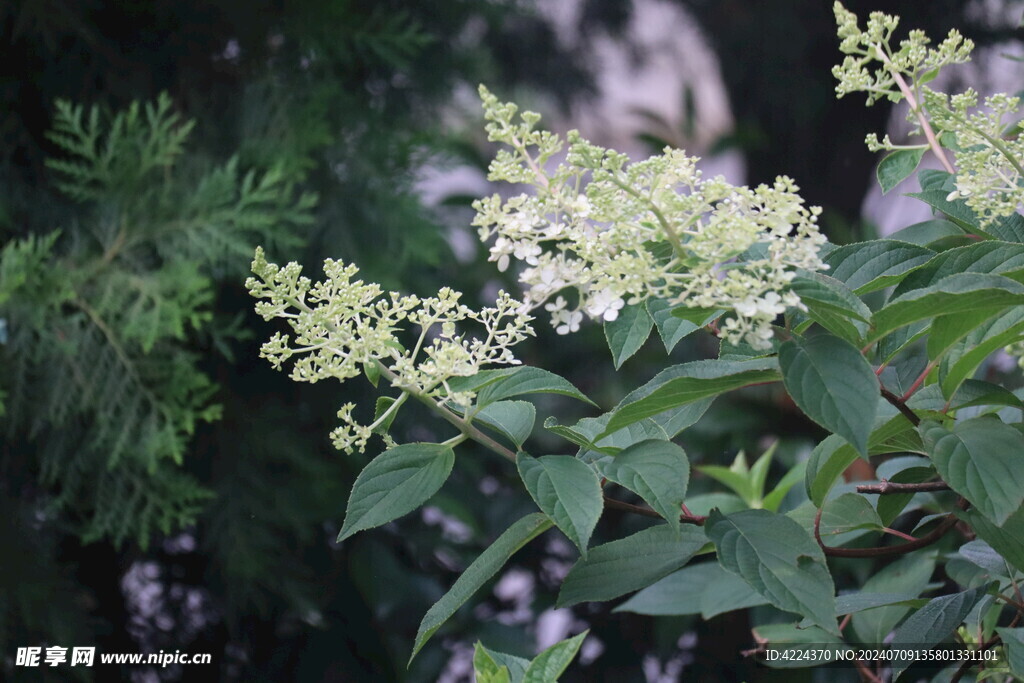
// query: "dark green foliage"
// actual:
[[131, 408], [107, 385]]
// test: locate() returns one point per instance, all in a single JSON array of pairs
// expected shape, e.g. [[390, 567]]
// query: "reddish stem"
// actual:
[[920, 379], [884, 551]]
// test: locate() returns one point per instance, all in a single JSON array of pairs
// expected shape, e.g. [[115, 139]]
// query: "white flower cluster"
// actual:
[[343, 328], [989, 150], [617, 233], [912, 62], [986, 142]]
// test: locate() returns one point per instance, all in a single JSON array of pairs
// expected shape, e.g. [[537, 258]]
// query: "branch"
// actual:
[[901, 406], [968, 663], [468, 430], [884, 551], [919, 381], [888, 487], [865, 672], [918, 110], [613, 504]]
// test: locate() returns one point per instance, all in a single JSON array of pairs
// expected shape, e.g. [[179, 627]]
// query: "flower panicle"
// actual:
[[341, 325], [597, 232], [983, 137]]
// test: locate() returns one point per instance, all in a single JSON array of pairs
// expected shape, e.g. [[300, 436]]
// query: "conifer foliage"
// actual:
[[100, 318]]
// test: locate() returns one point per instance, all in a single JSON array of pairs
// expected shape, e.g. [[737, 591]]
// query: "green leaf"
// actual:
[[567, 491], [747, 482], [980, 460], [1007, 540], [933, 623], [947, 330], [670, 328], [549, 664], [848, 512], [833, 384], [980, 553], [774, 499], [973, 392], [897, 166], [478, 573], [954, 294], [513, 419], [516, 666], [859, 602], [832, 304], [1008, 229], [742, 350], [692, 382], [630, 563], [658, 471], [900, 340], [1013, 638], [828, 461], [867, 266], [372, 372], [586, 430], [909, 576], [498, 385], [854, 603], [927, 233], [990, 257], [628, 332], [705, 589], [935, 179], [381, 407], [964, 357], [779, 560], [833, 455], [674, 420], [697, 316], [704, 503], [486, 670], [957, 211], [395, 483]]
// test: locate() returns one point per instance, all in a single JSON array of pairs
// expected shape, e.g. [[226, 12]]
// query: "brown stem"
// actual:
[[1011, 602], [889, 487], [899, 534], [884, 551], [901, 406], [968, 663], [613, 504], [866, 673]]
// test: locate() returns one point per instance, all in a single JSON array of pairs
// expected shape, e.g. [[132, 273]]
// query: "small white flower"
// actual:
[[554, 231], [605, 304], [581, 206], [771, 304], [500, 251], [546, 281], [527, 251], [747, 308], [556, 305], [565, 322]]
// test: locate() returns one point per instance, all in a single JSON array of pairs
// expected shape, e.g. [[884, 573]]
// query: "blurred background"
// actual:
[[161, 487]]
